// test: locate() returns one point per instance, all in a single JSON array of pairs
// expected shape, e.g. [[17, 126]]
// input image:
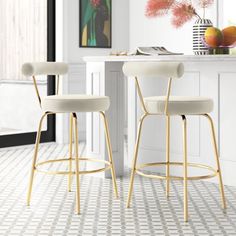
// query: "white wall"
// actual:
[[130, 29], [120, 30], [68, 50], [159, 31]]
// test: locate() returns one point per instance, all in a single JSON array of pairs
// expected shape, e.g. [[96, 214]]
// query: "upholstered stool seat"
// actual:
[[179, 105], [75, 103]]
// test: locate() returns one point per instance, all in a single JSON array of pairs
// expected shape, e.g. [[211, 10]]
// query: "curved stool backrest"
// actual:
[[154, 69], [44, 68]]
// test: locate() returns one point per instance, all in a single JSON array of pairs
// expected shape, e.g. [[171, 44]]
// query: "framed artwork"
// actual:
[[95, 23]]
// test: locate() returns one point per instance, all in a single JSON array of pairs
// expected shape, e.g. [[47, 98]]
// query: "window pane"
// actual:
[[228, 13], [23, 38]]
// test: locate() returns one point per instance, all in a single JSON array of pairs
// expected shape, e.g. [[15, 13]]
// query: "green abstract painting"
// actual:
[[95, 23]]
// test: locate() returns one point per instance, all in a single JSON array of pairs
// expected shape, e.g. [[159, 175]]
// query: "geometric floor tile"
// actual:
[[52, 210]]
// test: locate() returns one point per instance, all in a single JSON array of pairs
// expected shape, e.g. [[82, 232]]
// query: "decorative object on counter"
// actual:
[[213, 37], [220, 41], [119, 53], [145, 51], [229, 36], [182, 12], [199, 28], [219, 50], [154, 51], [95, 23]]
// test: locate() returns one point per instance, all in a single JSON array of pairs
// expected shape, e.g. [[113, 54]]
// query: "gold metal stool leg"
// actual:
[[185, 169], [109, 149], [217, 160], [135, 160], [77, 164], [167, 155], [35, 158], [70, 153]]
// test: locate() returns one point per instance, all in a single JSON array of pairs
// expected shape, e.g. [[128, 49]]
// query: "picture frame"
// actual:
[[95, 23]]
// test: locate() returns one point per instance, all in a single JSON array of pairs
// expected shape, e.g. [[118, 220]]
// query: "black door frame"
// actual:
[[49, 134]]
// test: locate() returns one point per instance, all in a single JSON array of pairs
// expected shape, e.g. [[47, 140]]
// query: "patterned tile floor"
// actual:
[[52, 208]]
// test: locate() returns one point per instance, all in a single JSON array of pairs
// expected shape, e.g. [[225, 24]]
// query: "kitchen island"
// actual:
[[207, 75]]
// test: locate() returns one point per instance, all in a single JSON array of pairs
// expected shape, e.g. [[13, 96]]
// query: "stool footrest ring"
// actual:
[[196, 165], [107, 166]]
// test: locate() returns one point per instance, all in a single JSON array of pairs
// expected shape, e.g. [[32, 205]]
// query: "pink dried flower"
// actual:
[[204, 3], [95, 3], [182, 12], [158, 7]]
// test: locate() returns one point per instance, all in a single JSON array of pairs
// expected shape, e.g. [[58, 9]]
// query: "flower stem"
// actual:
[[198, 15]]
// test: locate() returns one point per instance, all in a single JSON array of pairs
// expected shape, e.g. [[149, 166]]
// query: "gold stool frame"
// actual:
[[137, 169], [73, 128]]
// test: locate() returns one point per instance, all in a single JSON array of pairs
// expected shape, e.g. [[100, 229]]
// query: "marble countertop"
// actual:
[[181, 58]]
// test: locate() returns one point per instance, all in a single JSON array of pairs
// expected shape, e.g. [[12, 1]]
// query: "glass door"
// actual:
[[227, 17], [27, 34]]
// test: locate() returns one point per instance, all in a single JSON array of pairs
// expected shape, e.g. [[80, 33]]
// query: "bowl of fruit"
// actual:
[[220, 41]]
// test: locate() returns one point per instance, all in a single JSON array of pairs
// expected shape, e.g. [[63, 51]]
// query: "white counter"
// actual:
[[181, 58], [212, 75]]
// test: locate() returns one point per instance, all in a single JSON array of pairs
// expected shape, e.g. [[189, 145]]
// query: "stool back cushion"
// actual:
[[44, 68], [153, 69]]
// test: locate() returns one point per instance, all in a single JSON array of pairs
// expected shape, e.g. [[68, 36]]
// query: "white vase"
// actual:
[[199, 28]]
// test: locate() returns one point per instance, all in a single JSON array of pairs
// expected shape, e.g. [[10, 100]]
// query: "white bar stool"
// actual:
[[171, 106], [68, 104]]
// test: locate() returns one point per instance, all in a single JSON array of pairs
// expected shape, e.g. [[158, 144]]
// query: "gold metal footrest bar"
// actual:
[[201, 166], [107, 163]]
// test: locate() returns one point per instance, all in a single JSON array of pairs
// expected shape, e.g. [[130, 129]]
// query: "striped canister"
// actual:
[[199, 29]]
